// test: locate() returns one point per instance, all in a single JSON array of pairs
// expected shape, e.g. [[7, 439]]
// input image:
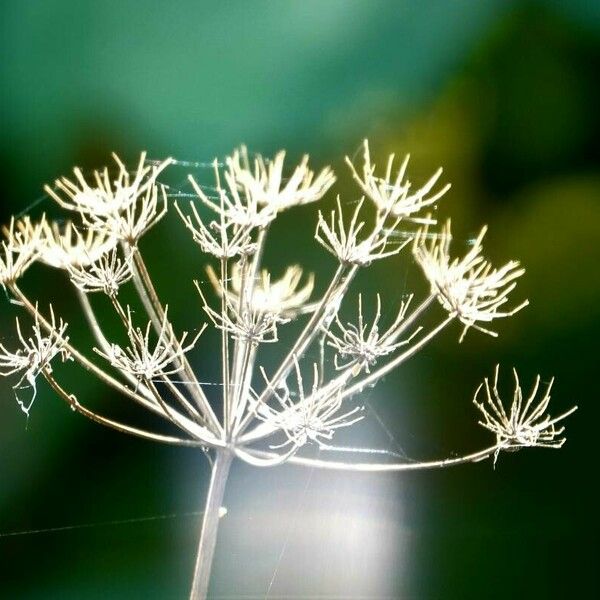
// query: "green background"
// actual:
[[503, 95]]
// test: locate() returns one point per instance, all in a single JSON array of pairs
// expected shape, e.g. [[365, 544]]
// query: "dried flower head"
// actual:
[[234, 204], [393, 194], [224, 238], [468, 288], [35, 354], [343, 241], [19, 250], [144, 361], [131, 222], [526, 423], [360, 346], [285, 296], [107, 194], [244, 323], [265, 183], [310, 418], [64, 246], [107, 274], [23, 234]]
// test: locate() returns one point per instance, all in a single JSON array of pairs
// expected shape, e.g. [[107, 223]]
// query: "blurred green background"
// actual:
[[504, 95]]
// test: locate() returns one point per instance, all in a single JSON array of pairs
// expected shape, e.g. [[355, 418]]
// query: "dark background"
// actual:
[[504, 96]]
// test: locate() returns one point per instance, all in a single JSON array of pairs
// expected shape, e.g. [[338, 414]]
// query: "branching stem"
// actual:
[[71, 399], [379, 467], [156, 312]]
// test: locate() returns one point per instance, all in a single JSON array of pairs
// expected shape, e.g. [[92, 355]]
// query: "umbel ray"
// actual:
[[268, 413]]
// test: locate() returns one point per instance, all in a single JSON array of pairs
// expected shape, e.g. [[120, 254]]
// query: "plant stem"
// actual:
[[210, 524], [203, 435], [317, 463], [157, 315]]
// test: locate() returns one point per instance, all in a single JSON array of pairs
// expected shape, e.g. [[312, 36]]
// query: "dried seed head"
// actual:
[[360, 346], [393, 194], [24, 234], [311, 418], [134, 220], [34, 355], [64, 246], [525, 424], [234, 204], [106, 275], [342, 241], [244, 323], [145, 362], [265, 183], [19, 249], [123, 207], [284, 296], [468, 288], [107, 194], [223, 239]]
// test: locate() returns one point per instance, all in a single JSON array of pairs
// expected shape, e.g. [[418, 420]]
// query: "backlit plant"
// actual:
[[267, 413]]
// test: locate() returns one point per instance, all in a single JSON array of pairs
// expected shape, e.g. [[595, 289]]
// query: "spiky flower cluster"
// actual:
[[525, 423], [313, 417], [393, 194], [65, 247], [265, 413], [469, 288], [283, 296], [142, 361], [18, 250], [107, 274], [362, 345], [35, 353]]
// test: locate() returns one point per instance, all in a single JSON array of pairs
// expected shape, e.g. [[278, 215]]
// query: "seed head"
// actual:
[[468, 288], [343, 241], [131, 222], [224, 238], [265, 182], [19, 250], [106, 275], [107, 194], [359, 345], [283, 296], [244, 323], [235, 204], [525, 424], [312, 418], [143, 361], [65, 246], [34, 355], [393, 194]]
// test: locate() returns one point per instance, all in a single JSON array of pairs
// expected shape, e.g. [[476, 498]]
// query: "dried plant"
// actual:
[[525, 424], [268, 414]]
